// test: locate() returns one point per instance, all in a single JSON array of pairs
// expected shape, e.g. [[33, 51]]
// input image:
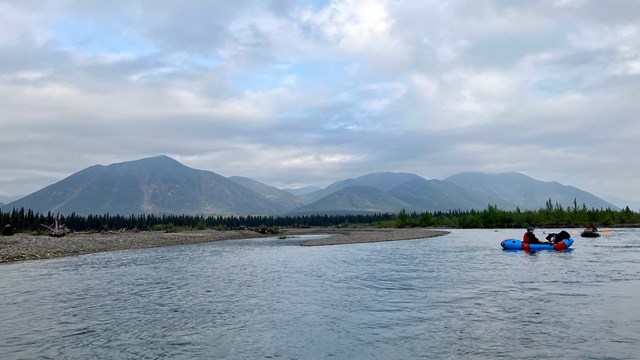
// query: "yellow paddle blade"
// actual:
[[605, 230]]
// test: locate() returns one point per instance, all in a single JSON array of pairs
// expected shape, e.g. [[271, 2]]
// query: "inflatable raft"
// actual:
[[590, 233], [513, 244]]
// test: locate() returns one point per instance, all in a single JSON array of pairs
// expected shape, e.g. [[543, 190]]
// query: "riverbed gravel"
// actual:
[[20, 247]]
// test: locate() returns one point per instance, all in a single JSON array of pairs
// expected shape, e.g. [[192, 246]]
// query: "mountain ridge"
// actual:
[[163, 185], [514, 190], [356, 199], [381, 180], [151, 185]]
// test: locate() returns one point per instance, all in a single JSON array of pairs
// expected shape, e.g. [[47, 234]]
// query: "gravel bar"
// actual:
[[21, 247], [369, 235]]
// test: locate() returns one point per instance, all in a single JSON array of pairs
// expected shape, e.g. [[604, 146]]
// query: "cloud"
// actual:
[[293, 92]]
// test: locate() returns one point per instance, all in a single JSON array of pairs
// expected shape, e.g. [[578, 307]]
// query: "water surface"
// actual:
[[458, 296]]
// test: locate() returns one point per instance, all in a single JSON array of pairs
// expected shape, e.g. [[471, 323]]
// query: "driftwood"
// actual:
[[7, 230], [56, 230], [105, 230]]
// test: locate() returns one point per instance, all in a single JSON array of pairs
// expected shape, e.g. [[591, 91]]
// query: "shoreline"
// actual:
[[22, 247]]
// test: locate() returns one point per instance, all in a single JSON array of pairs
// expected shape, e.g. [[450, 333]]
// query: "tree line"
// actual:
[[553, 215], [28, 220]]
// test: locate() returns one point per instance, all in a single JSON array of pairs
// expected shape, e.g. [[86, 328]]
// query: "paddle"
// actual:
[[579, 232]]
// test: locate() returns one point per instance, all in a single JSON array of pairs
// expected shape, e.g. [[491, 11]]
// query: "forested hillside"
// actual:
[[491, 217]]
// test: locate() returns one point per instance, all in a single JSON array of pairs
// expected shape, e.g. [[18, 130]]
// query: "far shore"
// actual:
[[20, 247]]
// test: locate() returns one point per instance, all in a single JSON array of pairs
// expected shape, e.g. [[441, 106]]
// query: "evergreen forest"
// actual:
[[21, 220]]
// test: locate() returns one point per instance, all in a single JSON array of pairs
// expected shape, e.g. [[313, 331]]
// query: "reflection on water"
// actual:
[[458, 296]]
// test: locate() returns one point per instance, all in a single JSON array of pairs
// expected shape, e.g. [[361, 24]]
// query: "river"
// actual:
[[457, 296]]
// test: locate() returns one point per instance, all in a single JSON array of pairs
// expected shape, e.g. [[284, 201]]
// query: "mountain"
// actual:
[[622, 203], [284, 200], [153, 185], [4, 199], [303, 190], [382, 181], [2, 204], [437, 195], [161, 185], [464, 191], [353, 200], [513, 190]]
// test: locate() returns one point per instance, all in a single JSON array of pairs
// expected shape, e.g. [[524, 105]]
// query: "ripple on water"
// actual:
[[458, 296]]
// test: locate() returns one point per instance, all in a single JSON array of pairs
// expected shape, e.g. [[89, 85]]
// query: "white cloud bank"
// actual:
[[304, 93]]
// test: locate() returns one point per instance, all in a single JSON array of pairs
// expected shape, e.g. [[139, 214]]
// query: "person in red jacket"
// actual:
[[530, 238]]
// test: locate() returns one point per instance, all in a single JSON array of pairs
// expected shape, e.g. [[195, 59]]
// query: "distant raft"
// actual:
[[513, 244], [590, 233]]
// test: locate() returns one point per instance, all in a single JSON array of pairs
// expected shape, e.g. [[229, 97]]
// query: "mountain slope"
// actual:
[[382, 181], [622, 203], [353, 200], [283, 199], [437, 195], [153, 185], [163, 185], [511, 190], [302, 191]]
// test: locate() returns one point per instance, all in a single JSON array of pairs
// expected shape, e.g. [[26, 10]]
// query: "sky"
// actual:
[[300, 93]]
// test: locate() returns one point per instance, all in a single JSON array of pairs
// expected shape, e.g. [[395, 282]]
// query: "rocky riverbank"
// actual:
[[21, 247], [369, 235]]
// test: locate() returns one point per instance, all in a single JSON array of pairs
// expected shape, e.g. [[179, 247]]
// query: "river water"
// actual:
[[457, 296]]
